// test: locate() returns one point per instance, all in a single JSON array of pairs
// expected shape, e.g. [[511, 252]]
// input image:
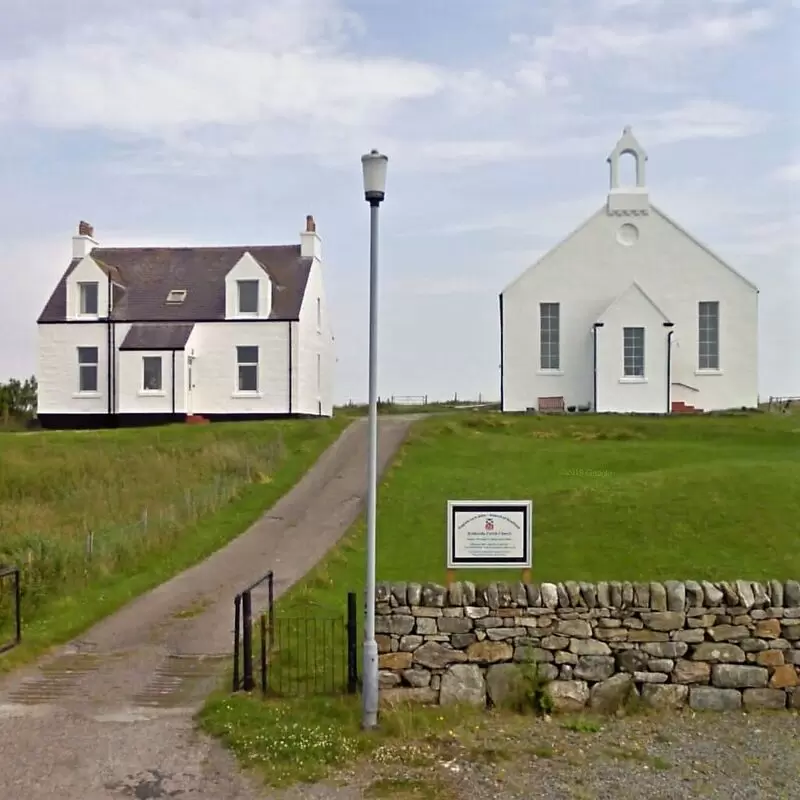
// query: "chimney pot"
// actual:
[[311, 226], [85, 229]]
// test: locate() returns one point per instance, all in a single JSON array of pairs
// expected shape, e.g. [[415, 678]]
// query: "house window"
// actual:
[[319, 314], [87, 369], [247, 360], [248, 297], [549, 336], [151, 374], [633, 352], [176, 296], [708, 335], [88, 298]]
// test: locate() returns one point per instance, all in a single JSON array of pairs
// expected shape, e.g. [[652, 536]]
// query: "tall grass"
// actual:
[[80, 507]]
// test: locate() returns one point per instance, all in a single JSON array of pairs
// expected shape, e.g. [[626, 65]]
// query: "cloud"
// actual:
[[788, 172]]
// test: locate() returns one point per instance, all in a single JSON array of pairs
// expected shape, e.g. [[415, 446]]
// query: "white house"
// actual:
[[629, 313], [132, 335]]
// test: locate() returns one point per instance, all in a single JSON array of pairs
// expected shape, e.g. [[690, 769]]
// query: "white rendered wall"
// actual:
[[588, 271]]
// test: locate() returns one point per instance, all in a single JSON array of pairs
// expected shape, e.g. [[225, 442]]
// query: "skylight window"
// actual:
[[176, 296]]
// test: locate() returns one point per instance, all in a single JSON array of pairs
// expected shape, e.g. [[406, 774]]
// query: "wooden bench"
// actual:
[[548, 404]]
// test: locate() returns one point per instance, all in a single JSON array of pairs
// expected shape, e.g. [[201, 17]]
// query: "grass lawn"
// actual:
[[615, 498], [95, 518]]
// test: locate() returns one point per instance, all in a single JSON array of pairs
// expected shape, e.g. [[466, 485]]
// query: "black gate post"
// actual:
[[271, 602], [247, 641], [352, 644], [237, 610], [263, 626]]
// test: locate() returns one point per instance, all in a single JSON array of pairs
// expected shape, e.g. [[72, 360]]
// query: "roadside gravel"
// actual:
[[667, 757]]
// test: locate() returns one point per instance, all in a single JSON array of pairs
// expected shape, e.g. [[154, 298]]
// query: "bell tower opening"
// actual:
[[627, 189]]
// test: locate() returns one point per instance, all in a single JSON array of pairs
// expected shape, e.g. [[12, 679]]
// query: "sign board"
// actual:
[[490, 533]]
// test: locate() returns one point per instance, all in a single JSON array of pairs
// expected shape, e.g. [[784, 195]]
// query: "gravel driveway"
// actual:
[[110, 715], [730, 756]]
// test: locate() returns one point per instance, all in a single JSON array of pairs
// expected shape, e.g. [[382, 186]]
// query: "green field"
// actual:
[[615, 498], [94, 518]]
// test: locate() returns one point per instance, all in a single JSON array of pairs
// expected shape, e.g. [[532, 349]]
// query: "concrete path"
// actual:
[[110, 715]]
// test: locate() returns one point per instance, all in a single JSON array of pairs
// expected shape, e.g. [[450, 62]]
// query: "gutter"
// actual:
[[108, 345], [595, 326], [290, 367], [502, 349], [669, 365]]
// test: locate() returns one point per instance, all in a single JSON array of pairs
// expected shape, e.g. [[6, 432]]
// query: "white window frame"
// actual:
[[176, 296], [242, 362], [83, 287], [88, 363], [250, 312], [550, 338], [708, 344], [152, 389], [633, 353]]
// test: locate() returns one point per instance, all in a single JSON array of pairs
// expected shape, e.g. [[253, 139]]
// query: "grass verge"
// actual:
[[615, 498], [96, 479]]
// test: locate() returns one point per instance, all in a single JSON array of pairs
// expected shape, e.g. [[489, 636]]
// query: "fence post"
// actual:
[[263, 626], [352, 643], [247, 641], [17, 602], [237, 607], [271, 603]]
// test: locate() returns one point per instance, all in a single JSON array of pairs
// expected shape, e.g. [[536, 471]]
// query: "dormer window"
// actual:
[[176, 296], [88, 298], [247, 297]]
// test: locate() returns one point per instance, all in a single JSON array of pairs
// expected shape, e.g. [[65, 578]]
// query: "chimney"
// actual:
[[310, 243], [84, 242]]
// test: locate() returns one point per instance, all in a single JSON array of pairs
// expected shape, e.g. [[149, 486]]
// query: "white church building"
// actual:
[[629, 314]]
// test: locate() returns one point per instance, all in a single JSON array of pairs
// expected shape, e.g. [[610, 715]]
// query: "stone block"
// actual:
[[764, 698], [435, 656], [648, 636], [555, 642], [594, 668], [727, 633], [658, 597], [412, 696], [488, 652], [463, 684], [418, 678], [612, 695], [537, 654], [462, 640], [454, 624], [770, 658], [666, 649], [718, 653], [709, 698], [661, 665], [676, 595], [410, 642], [650, 677], [568, 695], [664, 620], [576, 628], [387, 679], [631, 661], [737, 676], [589, 647], [784, 677], [505, 685], [691, 672], [394, 661], [476, 612], [396, 624], [665, 697], [426, 626], [691, 636]]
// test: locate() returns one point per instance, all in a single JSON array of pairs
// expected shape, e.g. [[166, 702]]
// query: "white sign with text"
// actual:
[[490, 533]]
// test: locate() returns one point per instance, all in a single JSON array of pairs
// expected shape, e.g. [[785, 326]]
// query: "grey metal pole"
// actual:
[[370, 687]]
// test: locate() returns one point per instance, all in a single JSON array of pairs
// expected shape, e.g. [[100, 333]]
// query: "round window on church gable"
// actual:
[[627, 234]]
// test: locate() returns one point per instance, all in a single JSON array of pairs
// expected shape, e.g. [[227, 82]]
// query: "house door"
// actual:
[[189, 384]]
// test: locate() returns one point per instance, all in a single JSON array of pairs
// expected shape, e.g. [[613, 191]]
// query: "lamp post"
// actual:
[[374, 168]]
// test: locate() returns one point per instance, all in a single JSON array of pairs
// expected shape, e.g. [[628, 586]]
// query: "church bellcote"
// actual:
[[628, 199]]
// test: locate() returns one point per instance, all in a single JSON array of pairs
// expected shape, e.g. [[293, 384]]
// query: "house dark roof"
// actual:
[[147, 274], [157, 336]]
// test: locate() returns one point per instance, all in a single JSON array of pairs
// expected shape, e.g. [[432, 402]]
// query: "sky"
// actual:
[[180, 122]]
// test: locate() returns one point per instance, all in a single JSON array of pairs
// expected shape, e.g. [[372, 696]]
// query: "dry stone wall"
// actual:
[[712, 646]]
